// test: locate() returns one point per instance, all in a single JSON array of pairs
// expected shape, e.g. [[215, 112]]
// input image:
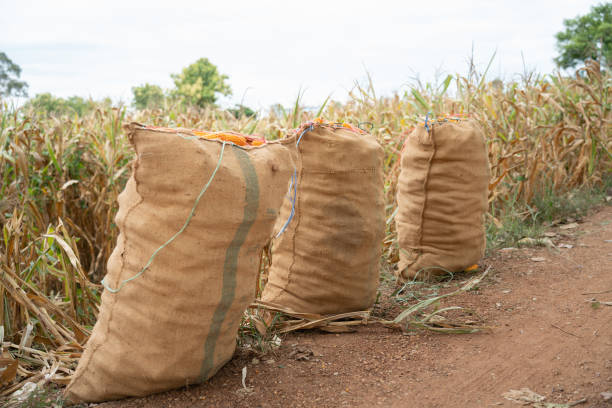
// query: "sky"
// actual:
[[272, 49]]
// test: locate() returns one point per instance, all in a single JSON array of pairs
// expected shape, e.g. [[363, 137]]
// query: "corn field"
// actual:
[[61, 177]]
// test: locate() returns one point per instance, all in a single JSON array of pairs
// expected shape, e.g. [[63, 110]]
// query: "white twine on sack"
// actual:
[[122, 284], [294, 185]]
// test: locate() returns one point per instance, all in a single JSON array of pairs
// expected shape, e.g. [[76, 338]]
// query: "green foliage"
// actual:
[[587, 37], [239, 111], [10, 85], [515, 223], [549, 207], [48, 104], [148, 96], [199, 84]]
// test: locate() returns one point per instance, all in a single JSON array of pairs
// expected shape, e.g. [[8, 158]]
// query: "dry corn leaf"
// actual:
[[8, 370], [522, 396]]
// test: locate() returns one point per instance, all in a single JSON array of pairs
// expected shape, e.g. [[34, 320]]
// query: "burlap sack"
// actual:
[[176, 323], [442, 199], [327, 260]]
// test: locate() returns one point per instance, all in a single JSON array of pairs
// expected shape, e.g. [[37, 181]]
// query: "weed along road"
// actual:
[[551, 333]]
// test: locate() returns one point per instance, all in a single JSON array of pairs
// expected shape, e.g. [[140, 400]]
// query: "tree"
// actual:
[[148, 96], [10, 85], [199, 83], [586, 37], [48, 104], [239, 111]]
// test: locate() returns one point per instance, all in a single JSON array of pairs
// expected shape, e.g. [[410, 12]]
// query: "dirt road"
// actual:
[[547, 336]]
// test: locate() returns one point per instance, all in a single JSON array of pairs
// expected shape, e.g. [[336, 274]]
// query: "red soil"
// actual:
[[546, 336]]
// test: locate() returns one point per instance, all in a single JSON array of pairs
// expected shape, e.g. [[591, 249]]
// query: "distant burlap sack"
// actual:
[[327, 260], [176, 323], [442, 199]]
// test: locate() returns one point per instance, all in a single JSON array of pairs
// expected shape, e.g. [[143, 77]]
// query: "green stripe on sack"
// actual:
[[230, 266]]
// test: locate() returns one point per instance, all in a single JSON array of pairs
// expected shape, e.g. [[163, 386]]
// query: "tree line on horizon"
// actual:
[[199, 84]]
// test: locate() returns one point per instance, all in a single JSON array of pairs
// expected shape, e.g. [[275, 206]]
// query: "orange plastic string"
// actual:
[[235, 138], [453, 117], [322, 122]]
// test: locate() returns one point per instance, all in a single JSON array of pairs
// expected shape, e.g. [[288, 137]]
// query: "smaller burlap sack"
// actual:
[[171, 308], [327, 259], [442, 199]]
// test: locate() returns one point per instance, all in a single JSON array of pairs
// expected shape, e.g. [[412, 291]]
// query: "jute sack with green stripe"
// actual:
[[171, 309]]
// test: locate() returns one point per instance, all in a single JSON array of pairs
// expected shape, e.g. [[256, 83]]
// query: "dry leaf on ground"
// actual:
[[8, 370], [569, 226], [524, 395]]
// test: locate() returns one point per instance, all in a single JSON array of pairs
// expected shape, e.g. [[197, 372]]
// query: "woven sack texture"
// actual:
[[327, 260], [442, 199], [176, 324]]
